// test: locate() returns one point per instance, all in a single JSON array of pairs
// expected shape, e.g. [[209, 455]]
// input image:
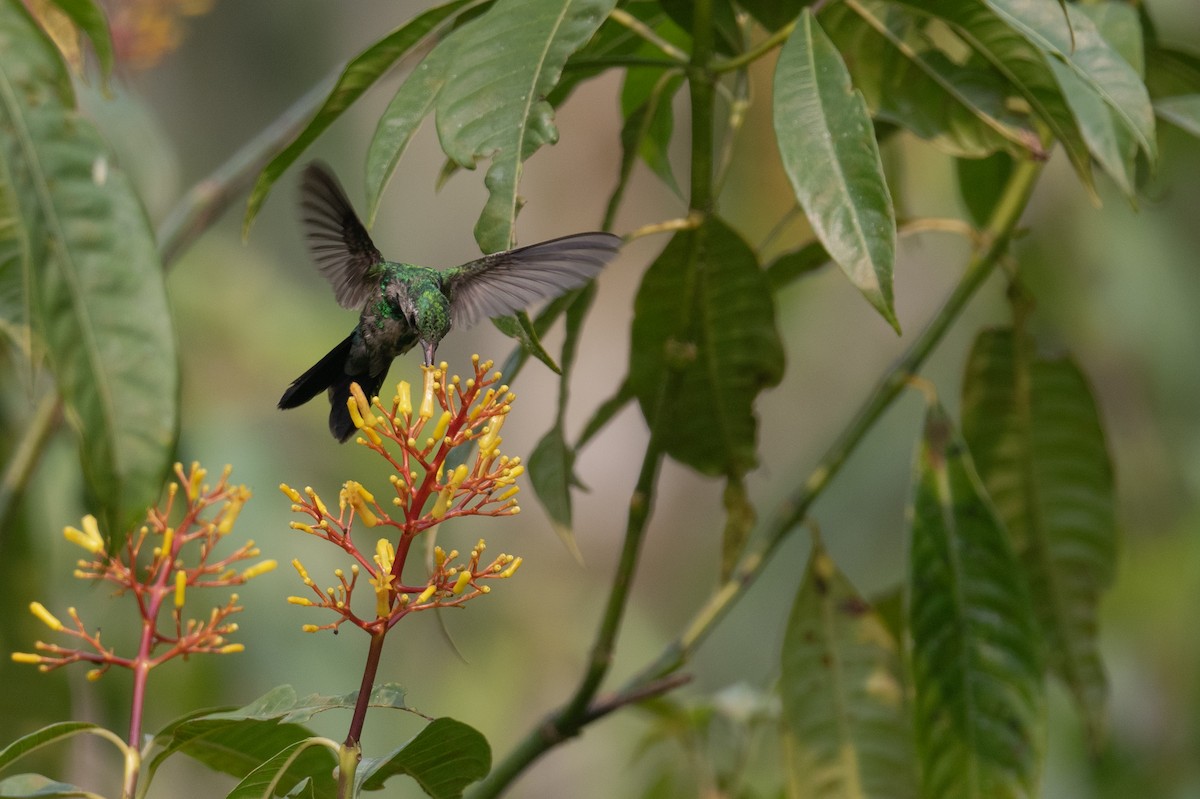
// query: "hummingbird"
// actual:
[[403, 305]]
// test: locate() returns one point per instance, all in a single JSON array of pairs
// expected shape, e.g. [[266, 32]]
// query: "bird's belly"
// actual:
[[382, 340]]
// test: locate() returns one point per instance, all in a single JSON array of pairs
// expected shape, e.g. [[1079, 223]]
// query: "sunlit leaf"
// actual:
[[1035, 435], [704, 323], [493, 103], [843, 694], [830, 155], [975, 659], [444, 758], [1183, 112], [359, 75], [96, 279]]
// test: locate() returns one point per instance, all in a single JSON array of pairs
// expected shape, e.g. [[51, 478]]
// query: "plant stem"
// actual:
[[364, 690]]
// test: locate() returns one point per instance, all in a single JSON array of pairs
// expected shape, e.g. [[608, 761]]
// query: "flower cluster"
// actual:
[[421, 444], [154, 567]]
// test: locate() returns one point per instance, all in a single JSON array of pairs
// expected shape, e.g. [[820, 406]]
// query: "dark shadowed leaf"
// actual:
[[444, 758], [358, 76], [704, 312], [493, 103], [975, 660], [1035, 435], [843, 694], [796, 264], [774, 14], [95, 277], [981, 181], [830, 155]]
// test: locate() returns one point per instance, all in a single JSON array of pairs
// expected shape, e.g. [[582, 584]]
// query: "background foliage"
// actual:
[[1085, 367]]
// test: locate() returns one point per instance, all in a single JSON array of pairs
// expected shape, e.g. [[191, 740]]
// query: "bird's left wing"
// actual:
[[505, 282], [336, 238]]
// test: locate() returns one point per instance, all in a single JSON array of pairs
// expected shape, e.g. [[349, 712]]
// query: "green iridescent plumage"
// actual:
[[402, 305]]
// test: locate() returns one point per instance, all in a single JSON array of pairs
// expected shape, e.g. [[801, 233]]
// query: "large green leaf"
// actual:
[[961, 108], [1182, 111], [1034, 432], [28, 786], [830, 155], [843, 694], [52, 733], [493, 103], [704, 323], [1024, 66], [358, 76], [1079, 46], [274, 776], [96, 280], [977, 672], [444, 758]]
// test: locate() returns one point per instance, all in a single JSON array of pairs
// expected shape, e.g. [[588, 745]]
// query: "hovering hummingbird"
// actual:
[[404, 305]]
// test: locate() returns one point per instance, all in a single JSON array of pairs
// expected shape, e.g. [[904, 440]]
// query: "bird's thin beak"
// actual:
[[430, 349]]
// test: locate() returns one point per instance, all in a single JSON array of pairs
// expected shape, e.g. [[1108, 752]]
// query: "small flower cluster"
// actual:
[[427, 491], [160, 578]]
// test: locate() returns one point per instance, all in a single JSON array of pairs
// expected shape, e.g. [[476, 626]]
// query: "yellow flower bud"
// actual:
[[299, 600], [302, 526], [310, 628], [459, 475], [231, 649], [460, 585], [352, 405], [94, 674], [180, 587], [509, 494], [262, 567], [443, 424], [194, 481], [512, 567], [316, 500], [442, 503], [81, 539], [426, 411], [26, 657], [291, 493], [404, 399], [301, 571], [425, 595], [44, 616]]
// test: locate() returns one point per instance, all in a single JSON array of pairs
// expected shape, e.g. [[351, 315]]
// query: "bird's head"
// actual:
[[433, 322]]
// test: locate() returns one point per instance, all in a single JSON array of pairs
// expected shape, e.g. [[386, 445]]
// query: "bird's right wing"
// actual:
[[336, 238]]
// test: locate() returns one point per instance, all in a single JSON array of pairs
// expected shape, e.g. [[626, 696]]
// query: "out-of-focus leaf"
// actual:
[[358, 76], [1109, 141], [89, 17], [52, 733], [96, 279], [1034, 432], [739, 522], [1121, 27], [727, 34], [976, 666], [1183, 112], [832, 159], [643, 123], [962, 109], [15, 273], [773, 14], [493, 102], [843, 694], [27, 786], [795, 264], [552, 473], [1022, 64], [444, 758], [704, 313], [981, 182], [1081, 48], [1171, 72]]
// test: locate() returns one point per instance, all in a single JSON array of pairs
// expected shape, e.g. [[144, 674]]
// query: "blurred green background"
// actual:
[[1117, 287]]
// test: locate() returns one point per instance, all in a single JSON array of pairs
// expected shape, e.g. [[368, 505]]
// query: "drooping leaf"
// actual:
[[1110, 142], [960, 108], [493, 102], [51, 733], [1022, 64], [976, 651], [96, 279], [1034, 432], [795, 264], [704, 323], [520, 327], [89, 17], [646, 133], [843, 694], [274, 776], [981, 182], [444, 758], [1183, 112], [358, 76], [831, 157], [1080, 47]]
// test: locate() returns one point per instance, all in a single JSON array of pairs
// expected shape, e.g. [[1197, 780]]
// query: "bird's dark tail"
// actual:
[[330, 373]]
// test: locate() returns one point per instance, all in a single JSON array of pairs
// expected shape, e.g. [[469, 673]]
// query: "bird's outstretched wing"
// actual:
[[505, 282], [338, 242]]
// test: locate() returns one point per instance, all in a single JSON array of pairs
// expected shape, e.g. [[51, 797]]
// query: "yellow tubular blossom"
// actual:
[[427, 401], [442, 503], [404, 399], [26, 657], [81, 538], [310, 628], [301, 571], [261, 567], [180, 587], [168, 542], [302, 526], [427, 594], [231, 649], [509, 494], [385, 554], [459, 475], [316, 500], [44, 616], [355, 415], [94, 674], [460, 585], [443, 424], [232, 509], [299, 600], [512, 567], [491, 437], [291, 493]]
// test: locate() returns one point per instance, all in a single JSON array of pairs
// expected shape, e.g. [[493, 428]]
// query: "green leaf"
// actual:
[[89, 17], [960, 108], [492, 105], [796, 264], [1082, 49], [97, 283], [739, 522], [843, 694], [704, 313], [444, 758], [975, 659], [16, 269], [773, 14], [605, 413], [646, 132], [22, 786], [1183, 112], [51, 733], [981, 183], [1170, 72], [832, 159], [520, 327], [358, 76], [1036, 438], [1024, 66], [552, 473], [273, 778], [1108, 140]]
